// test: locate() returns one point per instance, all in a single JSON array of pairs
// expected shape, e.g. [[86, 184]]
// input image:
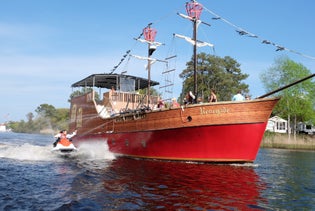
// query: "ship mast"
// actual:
[[194, 10], [149, 35]]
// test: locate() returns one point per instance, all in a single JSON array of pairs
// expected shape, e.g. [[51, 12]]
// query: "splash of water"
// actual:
[[92, 151], [95, 150], [27, 152]]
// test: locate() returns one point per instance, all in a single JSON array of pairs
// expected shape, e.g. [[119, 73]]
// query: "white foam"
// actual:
[[27, 152], [91, 151], [95, 150], [251, 165]]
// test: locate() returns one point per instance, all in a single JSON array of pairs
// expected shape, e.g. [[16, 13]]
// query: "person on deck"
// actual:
[[63, 134], [238, 96], [175, 104], [213, 96], [190, 98], [113, 94]]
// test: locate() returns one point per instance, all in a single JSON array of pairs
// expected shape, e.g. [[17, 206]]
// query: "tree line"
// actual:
[[223, 75], [48, 119]]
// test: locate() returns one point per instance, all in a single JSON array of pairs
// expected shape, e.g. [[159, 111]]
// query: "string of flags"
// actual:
[[239, 30], [121, 61], [243, 32], [124, 57]]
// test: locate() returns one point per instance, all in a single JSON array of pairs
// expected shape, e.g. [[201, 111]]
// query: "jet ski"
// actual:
[[64, 145]]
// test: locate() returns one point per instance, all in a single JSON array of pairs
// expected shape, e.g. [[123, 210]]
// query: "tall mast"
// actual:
[[149, 35], [195, 56], [194, 10]]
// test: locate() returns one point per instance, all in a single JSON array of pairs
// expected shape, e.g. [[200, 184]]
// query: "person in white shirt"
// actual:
[[63, 134], [238, 97]]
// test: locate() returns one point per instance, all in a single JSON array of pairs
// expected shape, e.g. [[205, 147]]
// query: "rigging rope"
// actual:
[[125, 55], [243, 32], [129, 51], [239, 30]]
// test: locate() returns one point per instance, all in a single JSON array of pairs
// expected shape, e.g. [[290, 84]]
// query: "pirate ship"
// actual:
[[229, 131]]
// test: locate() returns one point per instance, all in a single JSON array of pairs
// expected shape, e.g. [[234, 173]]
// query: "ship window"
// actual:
[[127, 84]]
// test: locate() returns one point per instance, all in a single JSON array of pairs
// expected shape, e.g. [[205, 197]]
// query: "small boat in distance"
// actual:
[[229, 131]]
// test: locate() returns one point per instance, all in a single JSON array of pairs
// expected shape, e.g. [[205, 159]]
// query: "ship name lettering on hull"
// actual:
[[204, 111]]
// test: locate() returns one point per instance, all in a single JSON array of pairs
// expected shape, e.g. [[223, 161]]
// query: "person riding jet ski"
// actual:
[[63, 137]]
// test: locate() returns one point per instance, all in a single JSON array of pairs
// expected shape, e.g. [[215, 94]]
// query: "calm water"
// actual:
[[32, 178]]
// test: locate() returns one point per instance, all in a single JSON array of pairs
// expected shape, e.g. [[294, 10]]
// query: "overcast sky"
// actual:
[[45, 46]]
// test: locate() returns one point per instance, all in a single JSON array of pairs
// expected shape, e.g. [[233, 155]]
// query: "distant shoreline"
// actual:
[[283, 141]]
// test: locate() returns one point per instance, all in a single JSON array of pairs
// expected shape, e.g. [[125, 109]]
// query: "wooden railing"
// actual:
[[126, 100]]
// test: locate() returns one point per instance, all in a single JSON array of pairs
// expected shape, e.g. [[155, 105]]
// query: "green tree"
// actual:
[[81, 92], [46, 110], [30, 117], [297, 103], [221, 74], [153, 91], [46, 116], [61, 118]]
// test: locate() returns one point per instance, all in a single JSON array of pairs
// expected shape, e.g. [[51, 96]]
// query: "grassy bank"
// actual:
[[283, 141]]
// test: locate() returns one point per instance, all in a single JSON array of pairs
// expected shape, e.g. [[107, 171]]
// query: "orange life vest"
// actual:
[[64, 141]]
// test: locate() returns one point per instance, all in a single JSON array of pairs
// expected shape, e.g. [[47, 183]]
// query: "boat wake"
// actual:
[[26, 152], [30, 152]]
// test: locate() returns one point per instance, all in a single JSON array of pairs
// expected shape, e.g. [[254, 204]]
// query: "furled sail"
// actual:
[[152, 60], [191, 41], [185, 16], [144, 58], [153, 45], [190, 18], [148, 58], [157, 44]]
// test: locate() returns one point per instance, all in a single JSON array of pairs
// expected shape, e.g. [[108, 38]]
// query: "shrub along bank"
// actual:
[[284, 141]]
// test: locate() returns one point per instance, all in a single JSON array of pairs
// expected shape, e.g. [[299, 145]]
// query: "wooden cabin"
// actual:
[[121, 93]]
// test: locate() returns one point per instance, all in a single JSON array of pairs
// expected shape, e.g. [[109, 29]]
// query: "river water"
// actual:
[[33, 178]]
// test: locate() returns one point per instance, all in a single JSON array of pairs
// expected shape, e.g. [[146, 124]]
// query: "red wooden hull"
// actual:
[[220, 132], [219, 143]]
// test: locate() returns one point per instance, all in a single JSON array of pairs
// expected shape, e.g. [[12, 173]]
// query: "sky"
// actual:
[[46, 46]]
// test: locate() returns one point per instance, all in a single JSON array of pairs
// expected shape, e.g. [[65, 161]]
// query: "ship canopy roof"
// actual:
[[108, 81]]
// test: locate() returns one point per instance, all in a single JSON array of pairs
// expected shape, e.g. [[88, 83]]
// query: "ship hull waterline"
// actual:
[[237, 143], [212, 132]]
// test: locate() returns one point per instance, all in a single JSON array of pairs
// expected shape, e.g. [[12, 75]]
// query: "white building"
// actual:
[[277, 125], [306, 128], [3, 128]]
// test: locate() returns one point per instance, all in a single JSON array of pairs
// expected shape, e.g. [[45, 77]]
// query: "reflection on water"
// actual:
[[150, 185], [33, 178]]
